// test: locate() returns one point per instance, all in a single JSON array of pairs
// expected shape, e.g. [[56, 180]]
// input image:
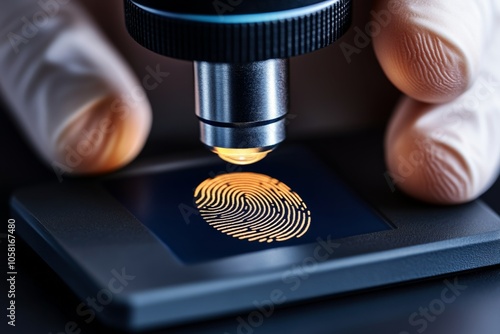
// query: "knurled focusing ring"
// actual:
[[254, 30]]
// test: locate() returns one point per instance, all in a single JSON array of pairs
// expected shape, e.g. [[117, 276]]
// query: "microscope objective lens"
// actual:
[[241, 62]]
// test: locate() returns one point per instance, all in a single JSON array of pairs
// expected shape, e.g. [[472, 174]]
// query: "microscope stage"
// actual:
[[199, 238]]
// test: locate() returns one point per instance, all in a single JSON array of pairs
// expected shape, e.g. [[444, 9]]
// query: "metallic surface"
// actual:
[[268, 135], [242, 105]]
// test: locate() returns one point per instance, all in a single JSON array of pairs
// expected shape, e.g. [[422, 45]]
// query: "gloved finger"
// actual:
[[432, 50], [449, 153], [72, 94]]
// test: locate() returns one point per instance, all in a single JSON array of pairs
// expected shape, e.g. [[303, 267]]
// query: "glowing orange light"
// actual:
[[241, 156], [252, 206]]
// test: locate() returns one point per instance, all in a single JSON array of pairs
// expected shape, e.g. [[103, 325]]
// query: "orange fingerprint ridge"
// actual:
[[253, 207]]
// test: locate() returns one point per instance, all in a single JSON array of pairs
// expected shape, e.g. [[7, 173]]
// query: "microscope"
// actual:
[[244, 243], [241, 51]]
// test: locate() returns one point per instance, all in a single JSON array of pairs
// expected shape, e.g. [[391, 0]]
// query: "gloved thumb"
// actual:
[[443, 142], [74, 97]]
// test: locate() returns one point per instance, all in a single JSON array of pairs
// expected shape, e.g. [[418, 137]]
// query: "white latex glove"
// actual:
[[71, 92], [443, 142]]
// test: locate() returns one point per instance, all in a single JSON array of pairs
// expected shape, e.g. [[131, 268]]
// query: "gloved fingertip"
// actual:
[[440, 181], [102, 136], [424, 165], [418, 55]]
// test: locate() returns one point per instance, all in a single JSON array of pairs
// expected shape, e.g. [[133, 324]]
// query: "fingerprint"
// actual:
[[252, 206]]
